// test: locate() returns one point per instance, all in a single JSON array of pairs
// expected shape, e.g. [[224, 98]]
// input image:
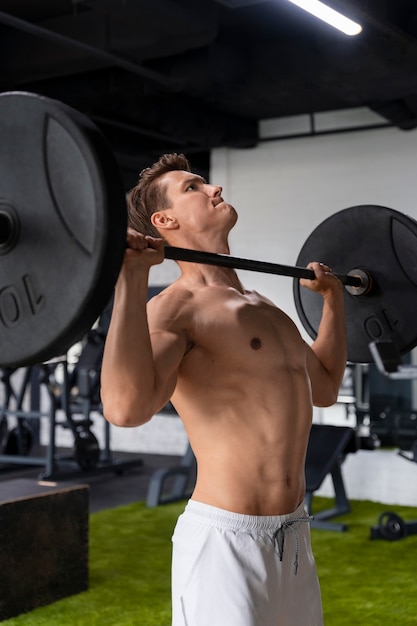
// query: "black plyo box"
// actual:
[[43, 544]]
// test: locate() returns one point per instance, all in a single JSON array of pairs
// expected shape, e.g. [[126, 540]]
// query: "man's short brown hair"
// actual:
[[149, 196]]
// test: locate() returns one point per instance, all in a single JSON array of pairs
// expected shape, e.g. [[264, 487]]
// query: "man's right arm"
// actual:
[[138, 372]]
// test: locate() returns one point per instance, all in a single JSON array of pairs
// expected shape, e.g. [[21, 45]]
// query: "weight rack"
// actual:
[[76, 411]]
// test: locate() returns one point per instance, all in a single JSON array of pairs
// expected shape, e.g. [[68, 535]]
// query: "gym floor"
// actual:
[[108, 488]]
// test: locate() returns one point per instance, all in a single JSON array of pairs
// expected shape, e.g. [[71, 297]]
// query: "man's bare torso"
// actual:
[[243, 394]]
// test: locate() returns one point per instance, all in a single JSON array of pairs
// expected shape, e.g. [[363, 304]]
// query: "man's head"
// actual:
[[149, 195], [172, 202]]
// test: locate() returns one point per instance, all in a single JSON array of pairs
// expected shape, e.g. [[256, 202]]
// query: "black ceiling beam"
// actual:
[[142, 131], [184, 122], [107, 58]]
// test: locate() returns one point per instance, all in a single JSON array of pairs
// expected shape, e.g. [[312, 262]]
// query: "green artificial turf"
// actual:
[[364, 582], [367, 582]]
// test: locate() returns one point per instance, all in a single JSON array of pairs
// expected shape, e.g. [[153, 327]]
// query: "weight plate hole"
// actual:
[[9, 229]]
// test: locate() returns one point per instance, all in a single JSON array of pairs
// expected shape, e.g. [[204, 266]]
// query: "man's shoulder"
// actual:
[[175, 291], [171, 302]]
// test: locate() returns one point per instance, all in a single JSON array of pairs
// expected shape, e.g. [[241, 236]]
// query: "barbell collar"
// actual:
[[354, 279], [365, 285]]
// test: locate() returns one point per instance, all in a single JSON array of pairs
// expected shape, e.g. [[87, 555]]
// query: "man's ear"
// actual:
[[162, 220]]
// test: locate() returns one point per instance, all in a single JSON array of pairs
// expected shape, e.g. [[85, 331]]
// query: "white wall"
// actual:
[[283, 189]]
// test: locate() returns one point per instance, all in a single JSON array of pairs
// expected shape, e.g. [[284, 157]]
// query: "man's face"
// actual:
[[196, 205]]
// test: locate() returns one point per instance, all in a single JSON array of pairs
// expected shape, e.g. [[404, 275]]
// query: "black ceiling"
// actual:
[[190, 75]]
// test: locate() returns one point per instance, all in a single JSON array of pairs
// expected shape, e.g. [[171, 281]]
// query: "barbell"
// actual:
[[63, 236]]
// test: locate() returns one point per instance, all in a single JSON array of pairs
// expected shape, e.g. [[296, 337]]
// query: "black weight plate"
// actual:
[[383, 242], [62, 227], [391, 526]]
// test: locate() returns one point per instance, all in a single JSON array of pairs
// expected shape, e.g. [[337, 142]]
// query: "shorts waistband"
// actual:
[[228, 520]]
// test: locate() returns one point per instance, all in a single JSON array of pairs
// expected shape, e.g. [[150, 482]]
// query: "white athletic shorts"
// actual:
[[242, 570]]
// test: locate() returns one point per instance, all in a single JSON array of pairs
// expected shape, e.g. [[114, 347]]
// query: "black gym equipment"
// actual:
[[19, 439], [388, 360], [73, 397], [403, 427], [44, 546], [62, 198], [392, 527], [327, 449]]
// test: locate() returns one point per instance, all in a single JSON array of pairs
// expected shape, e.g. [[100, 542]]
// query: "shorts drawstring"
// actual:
[[279, 536]]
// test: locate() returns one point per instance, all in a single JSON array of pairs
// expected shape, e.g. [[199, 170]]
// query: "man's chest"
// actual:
[[236, 325]]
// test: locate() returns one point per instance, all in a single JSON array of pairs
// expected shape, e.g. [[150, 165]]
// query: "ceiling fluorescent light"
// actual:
[[332, 17]]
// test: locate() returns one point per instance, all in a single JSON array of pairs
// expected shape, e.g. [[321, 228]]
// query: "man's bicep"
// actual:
[[167, 321], [168, 347], [321, 381]]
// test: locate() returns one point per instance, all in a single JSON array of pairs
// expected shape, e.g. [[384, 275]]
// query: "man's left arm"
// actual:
[[326, 357]]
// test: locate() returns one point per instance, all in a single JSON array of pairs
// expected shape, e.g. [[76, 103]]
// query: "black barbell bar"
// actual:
[[359, 280]]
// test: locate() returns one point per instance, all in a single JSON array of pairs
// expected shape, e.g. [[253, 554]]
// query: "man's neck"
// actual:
[[209, 275]]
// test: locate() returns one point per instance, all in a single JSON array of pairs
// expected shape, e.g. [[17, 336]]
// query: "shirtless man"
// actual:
[[244, 383]]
